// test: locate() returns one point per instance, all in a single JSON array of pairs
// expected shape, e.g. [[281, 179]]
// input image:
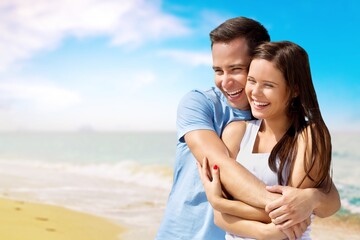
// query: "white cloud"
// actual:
[[38, 95], [143, 79], [29, 26], [189, 57]]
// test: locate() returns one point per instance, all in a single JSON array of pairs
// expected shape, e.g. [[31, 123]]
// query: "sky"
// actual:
[[120, 65]]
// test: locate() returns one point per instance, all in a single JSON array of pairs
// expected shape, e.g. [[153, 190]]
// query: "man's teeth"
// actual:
[[234, 92], [260, 103]]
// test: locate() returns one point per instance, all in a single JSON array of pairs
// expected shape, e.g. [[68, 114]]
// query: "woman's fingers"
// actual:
[[199, 168], [205, 172]]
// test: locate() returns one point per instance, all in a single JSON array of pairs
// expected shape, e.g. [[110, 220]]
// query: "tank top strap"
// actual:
[[248, 141]]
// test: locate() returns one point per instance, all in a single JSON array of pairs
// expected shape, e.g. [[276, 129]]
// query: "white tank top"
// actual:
[[257, 164]]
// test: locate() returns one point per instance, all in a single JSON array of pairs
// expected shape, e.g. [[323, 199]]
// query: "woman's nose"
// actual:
[[255, 90]]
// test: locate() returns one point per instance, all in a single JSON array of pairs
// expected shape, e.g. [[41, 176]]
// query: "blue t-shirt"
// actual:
[[188, 214]]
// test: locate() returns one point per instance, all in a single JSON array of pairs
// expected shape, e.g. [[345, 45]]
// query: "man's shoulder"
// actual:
[[211, 94]]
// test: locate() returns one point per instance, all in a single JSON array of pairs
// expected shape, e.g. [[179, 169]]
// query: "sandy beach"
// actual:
[[21, 220], [335, 228]]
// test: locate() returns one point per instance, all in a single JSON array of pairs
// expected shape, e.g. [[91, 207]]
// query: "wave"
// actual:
[[132, 174], [129, 172], [350, 200]]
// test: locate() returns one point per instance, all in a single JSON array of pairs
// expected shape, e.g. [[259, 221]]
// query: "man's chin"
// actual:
[[240, 106]]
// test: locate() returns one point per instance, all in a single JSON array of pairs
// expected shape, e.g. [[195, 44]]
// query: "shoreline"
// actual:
[[26, 220], [132, 209]]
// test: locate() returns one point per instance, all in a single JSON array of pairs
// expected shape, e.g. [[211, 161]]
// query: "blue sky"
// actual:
[[113, 65]]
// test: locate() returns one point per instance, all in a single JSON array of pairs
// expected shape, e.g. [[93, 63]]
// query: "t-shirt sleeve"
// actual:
[[195, 111]]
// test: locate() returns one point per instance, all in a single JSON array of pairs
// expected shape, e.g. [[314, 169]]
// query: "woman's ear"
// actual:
[[295, 93]]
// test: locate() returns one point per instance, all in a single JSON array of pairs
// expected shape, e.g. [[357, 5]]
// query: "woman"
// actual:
[[289, 144]]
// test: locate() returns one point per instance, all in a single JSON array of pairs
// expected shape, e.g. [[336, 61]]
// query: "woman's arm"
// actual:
[[247, 228], [257, 230], [239, 209], [238, 225]]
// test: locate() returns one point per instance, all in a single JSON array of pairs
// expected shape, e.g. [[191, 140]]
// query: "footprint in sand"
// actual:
[[17, 209], [42, 219]]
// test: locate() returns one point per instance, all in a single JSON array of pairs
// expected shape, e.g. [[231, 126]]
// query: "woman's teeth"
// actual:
[[260, 103]]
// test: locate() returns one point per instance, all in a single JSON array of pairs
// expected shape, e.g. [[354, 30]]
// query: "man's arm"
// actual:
[[327, 203], [283, 210], [236, 179], [195, 126], [323, 204]]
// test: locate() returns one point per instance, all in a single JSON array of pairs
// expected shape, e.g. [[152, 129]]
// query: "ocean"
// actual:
[[124, 176]]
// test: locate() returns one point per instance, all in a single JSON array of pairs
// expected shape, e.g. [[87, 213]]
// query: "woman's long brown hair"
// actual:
[[303, 111]]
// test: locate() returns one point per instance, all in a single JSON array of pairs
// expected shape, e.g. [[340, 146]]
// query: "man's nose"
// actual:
[[227, 80]]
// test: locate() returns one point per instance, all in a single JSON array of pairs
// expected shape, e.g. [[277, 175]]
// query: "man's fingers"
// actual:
[[289, 233], [274, 205], [285, 225], [275, 189], [280, 220], [303, 226], [275, 209]]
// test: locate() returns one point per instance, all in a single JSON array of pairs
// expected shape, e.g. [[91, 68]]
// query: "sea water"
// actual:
[[346, 170], [124, 176]]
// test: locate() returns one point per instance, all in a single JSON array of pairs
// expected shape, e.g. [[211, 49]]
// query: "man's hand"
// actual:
[[296, 231], [293, 207]]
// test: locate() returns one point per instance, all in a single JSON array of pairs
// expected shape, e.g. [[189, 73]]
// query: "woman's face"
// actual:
[[266, 90]]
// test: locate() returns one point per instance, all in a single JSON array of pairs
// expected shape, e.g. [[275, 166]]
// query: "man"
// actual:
[[202, 116]]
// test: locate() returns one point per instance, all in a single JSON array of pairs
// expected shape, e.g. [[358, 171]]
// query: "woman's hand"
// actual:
[[211, 182]]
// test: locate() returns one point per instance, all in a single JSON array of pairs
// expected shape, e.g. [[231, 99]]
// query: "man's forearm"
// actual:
[[236, 179], [243, 185]]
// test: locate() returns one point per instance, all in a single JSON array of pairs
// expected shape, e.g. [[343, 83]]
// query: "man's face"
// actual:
[[230, 64]]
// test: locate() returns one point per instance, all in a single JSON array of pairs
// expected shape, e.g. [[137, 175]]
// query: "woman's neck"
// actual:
[[275, 127]]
